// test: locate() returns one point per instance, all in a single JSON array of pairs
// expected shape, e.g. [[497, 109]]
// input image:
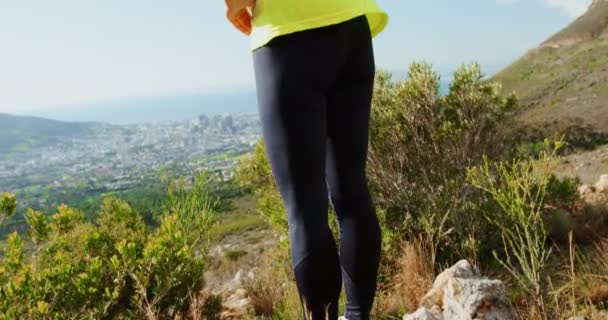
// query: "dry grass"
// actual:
[[557, 85], [578, 288], [271, 284], [599, 293], [602, 253], [414, 278], [204, 306]]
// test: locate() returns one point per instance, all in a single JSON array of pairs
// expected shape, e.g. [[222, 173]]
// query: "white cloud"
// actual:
[[573, 8]]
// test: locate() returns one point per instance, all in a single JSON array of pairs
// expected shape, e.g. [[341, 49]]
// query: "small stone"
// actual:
[[238, 300], [236, 304], [424, 314], [240, 292], [602, 184], [584, 190]]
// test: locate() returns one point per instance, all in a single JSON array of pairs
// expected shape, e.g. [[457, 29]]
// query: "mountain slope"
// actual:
[[565, 79], [18, 133]]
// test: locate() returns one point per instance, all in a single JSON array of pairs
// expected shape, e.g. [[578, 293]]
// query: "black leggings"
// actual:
[[314, 96]]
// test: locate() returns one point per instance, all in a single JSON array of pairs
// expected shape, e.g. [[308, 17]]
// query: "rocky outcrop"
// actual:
[[591, 25], [595, 194], [461, 293], [228, 279]]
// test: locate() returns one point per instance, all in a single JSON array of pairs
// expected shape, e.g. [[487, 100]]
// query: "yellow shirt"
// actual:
[[274, 18]]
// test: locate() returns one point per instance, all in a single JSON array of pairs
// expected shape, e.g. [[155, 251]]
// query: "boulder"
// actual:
[[462, 269], [461, 293], [477, 298]]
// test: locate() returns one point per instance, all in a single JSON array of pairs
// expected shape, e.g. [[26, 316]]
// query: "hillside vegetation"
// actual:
[[18, 134], [564, 82], [451, 179], [592, 25], [447, 184]]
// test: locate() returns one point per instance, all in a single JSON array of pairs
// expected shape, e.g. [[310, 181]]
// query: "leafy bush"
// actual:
[[563, 193], [421, 144], [113, 269], [519, 188], [574, 132], [8, 205]]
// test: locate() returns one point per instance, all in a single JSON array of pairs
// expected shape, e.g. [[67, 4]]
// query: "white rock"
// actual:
[[240, 292], [584, 190], [238, 277], [476, 298], [236, 304], [237, 301], [462, 269], [461, 293], [425, 314], [235, 283], [602, 184]]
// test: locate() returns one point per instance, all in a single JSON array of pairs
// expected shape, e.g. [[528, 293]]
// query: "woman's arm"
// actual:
[[239, 13]]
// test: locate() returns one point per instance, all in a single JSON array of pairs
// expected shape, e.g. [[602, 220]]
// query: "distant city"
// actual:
[[129, 141], [116, 157]]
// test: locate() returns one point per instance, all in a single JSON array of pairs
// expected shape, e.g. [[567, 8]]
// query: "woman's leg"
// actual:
[[348, 118], [293, 75]]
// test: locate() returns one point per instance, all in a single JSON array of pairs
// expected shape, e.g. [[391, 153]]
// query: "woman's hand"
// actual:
[[239, 13]]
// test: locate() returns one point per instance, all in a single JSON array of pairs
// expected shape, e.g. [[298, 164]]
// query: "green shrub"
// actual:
[[113, 269], [563, 193], [212, 308], [519, 189], [421, 144], [574, 132], [8, 205]]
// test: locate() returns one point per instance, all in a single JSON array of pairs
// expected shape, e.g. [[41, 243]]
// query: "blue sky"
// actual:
[[65, 52]]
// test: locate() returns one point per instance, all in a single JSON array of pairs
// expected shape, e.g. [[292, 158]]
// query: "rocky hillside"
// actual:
[[590, 26], [564, 81]]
